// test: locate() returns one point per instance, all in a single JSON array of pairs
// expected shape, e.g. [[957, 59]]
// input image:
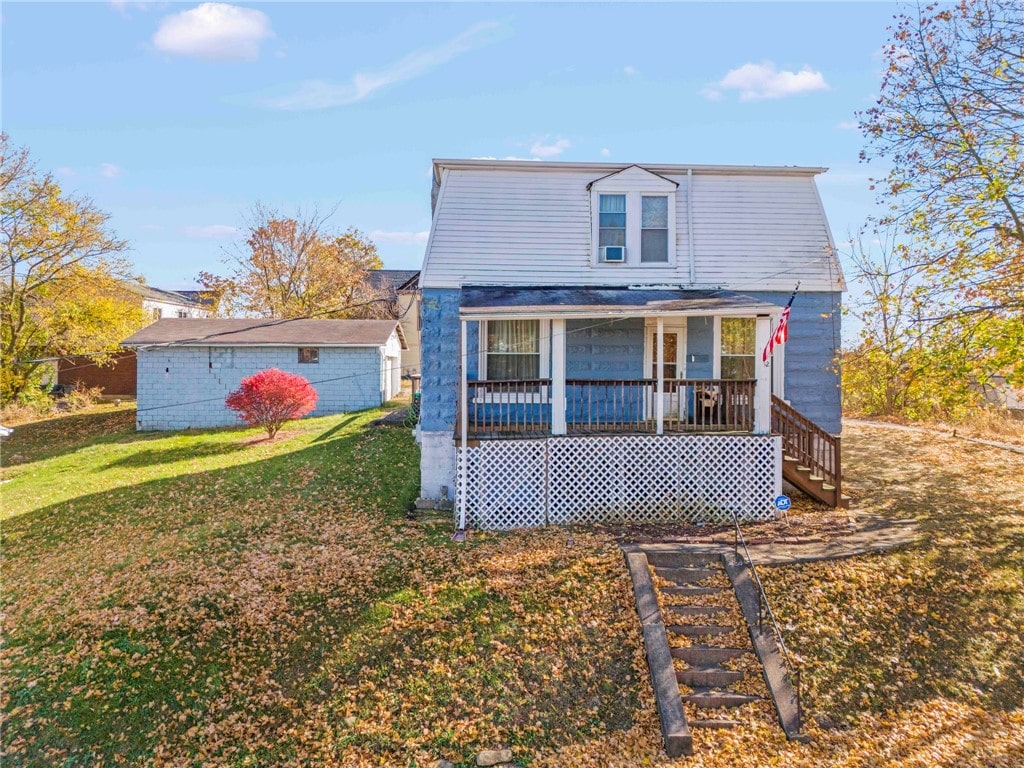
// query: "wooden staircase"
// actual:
[[811, 457]]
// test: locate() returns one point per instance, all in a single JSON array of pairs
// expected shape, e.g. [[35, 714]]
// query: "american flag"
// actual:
[[781, 331]]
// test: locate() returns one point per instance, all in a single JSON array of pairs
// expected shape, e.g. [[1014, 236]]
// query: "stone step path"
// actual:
[[707, 683], [710, 665]]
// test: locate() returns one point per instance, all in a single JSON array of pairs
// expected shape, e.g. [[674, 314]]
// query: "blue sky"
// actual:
[[176, 117]]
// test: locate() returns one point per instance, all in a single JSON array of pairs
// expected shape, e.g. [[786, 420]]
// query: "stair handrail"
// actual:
[[764, 611], [800, 436]]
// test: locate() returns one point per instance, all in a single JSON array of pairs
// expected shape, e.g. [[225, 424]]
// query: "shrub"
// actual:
[[271, 398]]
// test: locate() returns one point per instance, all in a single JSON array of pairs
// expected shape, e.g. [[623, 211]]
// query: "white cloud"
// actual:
[[65, 171], [549, 149], [848, 125], [110, 171], [629, 69], [399, 238], [765, 81], [605, 152], [211, 231], [216, 31], [321, 94]]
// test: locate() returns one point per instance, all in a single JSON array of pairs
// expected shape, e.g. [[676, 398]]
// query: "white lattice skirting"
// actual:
[[620, 478]]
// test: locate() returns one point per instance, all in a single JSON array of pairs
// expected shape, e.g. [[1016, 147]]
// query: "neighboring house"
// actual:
[[117, 377], [550, 293], [999, 393], [187, 367], [162, 304], [402, 285]]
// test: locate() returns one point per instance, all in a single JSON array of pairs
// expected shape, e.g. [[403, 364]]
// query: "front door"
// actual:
[[673, 367]]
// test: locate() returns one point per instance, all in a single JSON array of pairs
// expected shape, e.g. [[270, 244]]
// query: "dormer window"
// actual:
[[653, 229], [613, 221], [634, 219]]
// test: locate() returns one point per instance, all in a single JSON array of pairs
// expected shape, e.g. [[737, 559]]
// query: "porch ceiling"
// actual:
[[482, 302]]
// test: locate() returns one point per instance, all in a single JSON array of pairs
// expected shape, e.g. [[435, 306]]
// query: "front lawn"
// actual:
[[211, 598]]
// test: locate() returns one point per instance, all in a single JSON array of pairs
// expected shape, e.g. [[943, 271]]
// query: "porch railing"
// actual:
[[508, 407], [809, 444], [523, 407]]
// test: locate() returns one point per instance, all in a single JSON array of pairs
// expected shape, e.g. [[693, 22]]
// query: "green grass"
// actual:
[[215, 598], [211, 598]]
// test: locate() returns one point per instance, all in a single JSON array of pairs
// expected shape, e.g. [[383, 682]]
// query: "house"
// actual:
[[186, 367], [117, 376], [402, 287], [591, 339]]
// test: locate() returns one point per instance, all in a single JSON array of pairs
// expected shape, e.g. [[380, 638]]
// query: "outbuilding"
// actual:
[[186, 367]]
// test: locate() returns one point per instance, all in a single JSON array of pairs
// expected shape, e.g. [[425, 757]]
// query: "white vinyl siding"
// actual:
[[517, 227]]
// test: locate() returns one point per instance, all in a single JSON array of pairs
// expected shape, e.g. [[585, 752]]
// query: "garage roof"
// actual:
[[206, 332]]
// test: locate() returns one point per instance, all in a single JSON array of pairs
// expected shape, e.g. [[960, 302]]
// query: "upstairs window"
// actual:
[[653, 229], [612, 225], [738, 347], [633, 220], [513, 350]]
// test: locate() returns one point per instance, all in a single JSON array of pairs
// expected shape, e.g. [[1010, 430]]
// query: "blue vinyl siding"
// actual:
[[602, 349]]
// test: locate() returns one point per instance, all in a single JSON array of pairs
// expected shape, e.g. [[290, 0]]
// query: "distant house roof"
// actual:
[[202, 298], [168, 297], [393, 279], [480, 301], [205, 332]]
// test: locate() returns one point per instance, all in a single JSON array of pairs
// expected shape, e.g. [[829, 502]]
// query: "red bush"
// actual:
[[272, 397]]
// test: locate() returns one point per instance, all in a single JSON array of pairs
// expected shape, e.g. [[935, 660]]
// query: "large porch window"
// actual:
[[739, 347], [512, 350]]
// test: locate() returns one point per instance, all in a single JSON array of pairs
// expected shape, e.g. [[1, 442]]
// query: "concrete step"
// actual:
[[706, 655], [690, 591], [695, 610], [716, 699], [668, 559], [686, 575], [696, 630], [718, 724], [714, 677]]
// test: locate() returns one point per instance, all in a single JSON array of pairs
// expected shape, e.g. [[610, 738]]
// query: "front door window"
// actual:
[[671, 365]]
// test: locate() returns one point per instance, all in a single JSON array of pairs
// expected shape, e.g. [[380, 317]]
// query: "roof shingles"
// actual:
[[220, 332]]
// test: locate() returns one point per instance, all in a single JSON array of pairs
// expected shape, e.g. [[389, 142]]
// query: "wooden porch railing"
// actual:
[[508, 407], [812, 447], [523, 408]]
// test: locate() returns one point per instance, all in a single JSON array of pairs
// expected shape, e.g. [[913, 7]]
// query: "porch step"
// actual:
[[706, 655], [708, 678], [697, 630], [686, 575], [695, 610]]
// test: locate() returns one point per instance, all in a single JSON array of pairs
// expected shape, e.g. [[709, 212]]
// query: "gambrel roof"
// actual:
[[740, 228]]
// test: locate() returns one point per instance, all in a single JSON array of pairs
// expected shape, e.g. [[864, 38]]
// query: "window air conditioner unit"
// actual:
[[613, 254]]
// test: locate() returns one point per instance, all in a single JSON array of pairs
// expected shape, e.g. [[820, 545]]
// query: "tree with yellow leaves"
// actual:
[[61, 274], [293, 266]]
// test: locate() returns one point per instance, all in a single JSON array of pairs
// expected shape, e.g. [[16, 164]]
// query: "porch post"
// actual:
[[558, 376], [763, 376], [463, 426], [659, 400]]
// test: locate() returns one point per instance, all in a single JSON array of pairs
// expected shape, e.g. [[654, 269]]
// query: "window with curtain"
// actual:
[[738, 347], [513, 350], [653, 229], [612, 223]]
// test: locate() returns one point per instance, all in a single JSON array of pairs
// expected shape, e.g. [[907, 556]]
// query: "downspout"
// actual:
[[689, 226]]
